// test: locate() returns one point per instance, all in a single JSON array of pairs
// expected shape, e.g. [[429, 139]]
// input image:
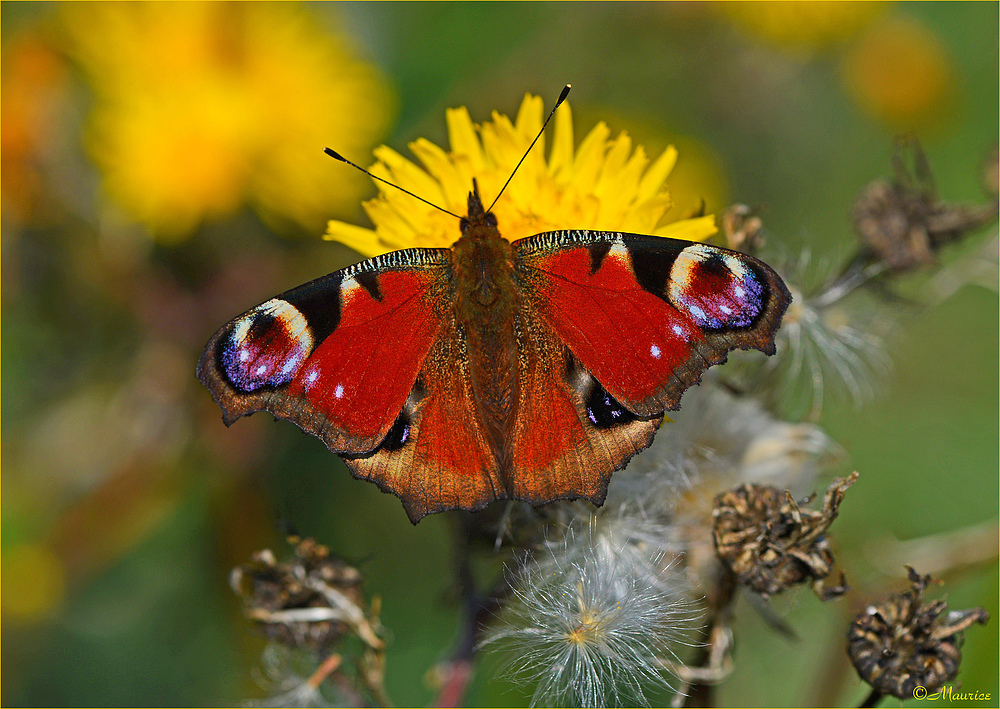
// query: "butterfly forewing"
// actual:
[[339, 355], [645, 315]]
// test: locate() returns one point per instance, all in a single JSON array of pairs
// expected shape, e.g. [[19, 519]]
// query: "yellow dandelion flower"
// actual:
[[803, 25], [203, 107], [900, 72], [603, 183]]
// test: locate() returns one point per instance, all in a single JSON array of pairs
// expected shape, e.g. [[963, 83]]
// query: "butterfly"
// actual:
[[526, 370]]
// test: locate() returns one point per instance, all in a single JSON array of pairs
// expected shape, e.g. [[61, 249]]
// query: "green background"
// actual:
[[152, 621]]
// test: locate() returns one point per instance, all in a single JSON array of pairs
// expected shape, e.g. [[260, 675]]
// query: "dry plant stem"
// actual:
[[699, 684], [872, 700], [371, 670], [835, 665], [943, 555], [348, 690], [349, 613], [718, 666], [458, 670], [859, 271], [326, 668]]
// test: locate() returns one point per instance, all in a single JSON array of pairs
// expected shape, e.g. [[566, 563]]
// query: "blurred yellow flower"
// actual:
[[201, 107], [35, 582], [899, 72], [601, 184], [34, 89], [803, 25]]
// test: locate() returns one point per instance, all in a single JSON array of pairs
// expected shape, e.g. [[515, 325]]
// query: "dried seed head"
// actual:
[[892, 223], [901, 644], [770, 544], [308, 601], [903, 222], [742, 229]]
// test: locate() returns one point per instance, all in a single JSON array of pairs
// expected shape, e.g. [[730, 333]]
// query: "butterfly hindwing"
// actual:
[[570, 434], [436, 457], [338, 356], [648, 315]]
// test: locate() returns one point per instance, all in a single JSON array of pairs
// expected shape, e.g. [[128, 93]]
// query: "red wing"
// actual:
[[339, 355], [569, 434], [436, 457], [648, 315]]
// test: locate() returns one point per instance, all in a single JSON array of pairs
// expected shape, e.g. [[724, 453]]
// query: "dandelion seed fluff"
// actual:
[[832, 342], [284, 674], [591, 628]]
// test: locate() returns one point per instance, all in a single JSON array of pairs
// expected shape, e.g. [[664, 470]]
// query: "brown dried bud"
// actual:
[[308, 601], [900, 644], [892, 223], [903, 222], [770, 544], [742, 229]]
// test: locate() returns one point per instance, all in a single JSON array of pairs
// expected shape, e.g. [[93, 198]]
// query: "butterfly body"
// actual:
[[525, 370], [486, 308]]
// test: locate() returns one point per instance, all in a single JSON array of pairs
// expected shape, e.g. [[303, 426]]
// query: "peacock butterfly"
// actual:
[[526, 370]]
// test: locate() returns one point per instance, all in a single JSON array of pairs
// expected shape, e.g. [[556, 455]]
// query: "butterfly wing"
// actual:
[[436, 456], [646, 315], [338, 356], [569, 434]]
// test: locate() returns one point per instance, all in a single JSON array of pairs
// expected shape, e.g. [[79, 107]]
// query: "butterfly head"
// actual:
[[477, 215]]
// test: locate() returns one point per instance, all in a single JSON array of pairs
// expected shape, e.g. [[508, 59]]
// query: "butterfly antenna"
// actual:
[[334, 154], [562, 97]]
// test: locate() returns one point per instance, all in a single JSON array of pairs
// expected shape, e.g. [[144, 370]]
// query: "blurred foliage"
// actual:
[[126, 501]]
